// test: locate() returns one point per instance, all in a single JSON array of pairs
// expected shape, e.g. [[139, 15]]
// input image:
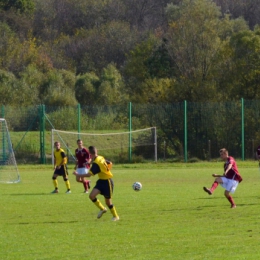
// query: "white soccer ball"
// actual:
[[137, 186]]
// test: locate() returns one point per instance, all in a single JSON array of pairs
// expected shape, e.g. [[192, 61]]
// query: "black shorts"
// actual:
[[105, 187], [63, 171]]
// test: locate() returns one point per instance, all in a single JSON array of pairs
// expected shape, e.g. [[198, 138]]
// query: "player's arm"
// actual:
[[224, 174], [76, 165], [109, 164], [83, 175], [227, 169], [93, 171], [63, 155], [217, 175], [87, 159]]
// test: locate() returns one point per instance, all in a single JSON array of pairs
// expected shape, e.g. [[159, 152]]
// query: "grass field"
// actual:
[[170, 218]]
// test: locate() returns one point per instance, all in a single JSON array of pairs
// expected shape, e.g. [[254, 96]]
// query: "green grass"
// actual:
[[170, 218]]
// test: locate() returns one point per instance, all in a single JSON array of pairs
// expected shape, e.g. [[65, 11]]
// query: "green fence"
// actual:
[[186, 131]]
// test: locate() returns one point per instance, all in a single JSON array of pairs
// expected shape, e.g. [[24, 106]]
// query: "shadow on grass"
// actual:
[[46, 222], [19, 194]]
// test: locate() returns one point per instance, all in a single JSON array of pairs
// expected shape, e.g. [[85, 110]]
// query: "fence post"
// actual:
[[130, 135], [185, 131], [42, 134], [79, 126], [242, 129]]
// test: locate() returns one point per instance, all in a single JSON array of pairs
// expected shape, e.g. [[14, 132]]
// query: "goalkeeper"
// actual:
[[104, 185]]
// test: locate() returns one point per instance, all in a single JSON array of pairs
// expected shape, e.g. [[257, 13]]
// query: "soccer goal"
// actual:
[[134, 146], [8, 168]]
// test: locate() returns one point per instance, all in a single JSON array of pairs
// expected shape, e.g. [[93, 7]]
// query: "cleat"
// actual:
[[85, 191], [89, 184], [207, 190], [101, 212], [55, 191], [233, 206], [115, 218], [68, 191]]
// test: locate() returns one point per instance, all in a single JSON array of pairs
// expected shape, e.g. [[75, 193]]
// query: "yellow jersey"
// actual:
[[99, 166], [59, 155]]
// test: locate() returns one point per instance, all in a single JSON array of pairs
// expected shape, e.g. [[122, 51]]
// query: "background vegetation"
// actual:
[[64, 52]]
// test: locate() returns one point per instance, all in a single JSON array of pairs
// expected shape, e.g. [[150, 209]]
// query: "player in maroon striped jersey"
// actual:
[[229, 180], [82, 164]]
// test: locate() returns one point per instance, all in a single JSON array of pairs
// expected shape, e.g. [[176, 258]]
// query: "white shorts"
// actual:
[[82, 170], [228, 184]]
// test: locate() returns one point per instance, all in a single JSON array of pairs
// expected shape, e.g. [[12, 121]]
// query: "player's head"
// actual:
[[92, 150], [223, 153], [80, 143], [57, 145]]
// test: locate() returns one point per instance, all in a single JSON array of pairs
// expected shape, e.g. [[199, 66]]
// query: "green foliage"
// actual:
[[59, 118], [56, 89], [245, 46], [85, 88], [192, 50], [22, 6], [192, 42], [8, 84], [111, 90]]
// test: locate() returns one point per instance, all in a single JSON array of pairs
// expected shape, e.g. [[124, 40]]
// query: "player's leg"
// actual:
[[112, 209], [81, 179], [65, 178], [86, 184], [229, 198], [108, 191], [96, 201], [55, 183], [214, 185]]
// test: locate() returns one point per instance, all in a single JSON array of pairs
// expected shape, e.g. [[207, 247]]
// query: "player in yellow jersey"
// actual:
[[104, 185], [60, 168]]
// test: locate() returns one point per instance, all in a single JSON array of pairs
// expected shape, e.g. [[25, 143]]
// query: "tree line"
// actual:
[[92, 52]]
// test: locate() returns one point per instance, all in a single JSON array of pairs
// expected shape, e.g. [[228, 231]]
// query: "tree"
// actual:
[[56, 90], [111, 89], [193, 42], [85, 88], [245, 73], [21, 6]]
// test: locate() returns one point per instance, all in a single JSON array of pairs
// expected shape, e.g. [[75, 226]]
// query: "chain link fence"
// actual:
[[185, 131]]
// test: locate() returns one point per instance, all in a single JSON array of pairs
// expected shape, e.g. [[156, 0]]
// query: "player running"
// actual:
[[104, 184], [82, 164], [229, 180]]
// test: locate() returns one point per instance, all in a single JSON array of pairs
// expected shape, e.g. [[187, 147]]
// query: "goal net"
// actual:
[[8, 168], [122, 147]]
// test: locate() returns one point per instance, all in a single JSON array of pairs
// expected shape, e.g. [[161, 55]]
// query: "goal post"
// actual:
[[113, 146], [8, 167]]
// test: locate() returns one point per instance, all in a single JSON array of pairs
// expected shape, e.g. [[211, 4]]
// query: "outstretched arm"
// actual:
[[217, 175]]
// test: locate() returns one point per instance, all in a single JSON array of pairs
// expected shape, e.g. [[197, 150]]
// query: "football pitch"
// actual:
[[170, 218]]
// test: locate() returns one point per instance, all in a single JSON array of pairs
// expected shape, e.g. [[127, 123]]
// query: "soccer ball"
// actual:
[[137, 186]]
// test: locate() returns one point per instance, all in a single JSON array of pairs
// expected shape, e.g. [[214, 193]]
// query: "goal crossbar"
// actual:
[[117, 144]]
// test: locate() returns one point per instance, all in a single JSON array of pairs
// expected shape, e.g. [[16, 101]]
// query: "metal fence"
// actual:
[[186, 131]]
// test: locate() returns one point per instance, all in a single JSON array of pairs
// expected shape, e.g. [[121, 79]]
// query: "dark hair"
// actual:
[[79, 140], [92, 149], [223, 150]]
